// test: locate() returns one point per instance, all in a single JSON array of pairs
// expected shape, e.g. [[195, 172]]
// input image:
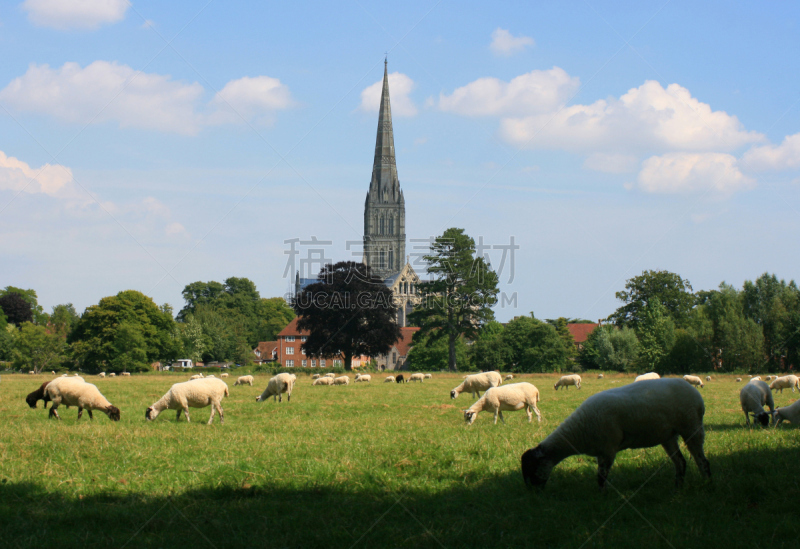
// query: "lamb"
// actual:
[[112, 374], [508, 377], [341, 380], [388, 379], [363, 378], [197, 393], [752, 397], [315, 376], [566, 381], [52, 372], [788, 413], [738, 380], [224, 375], [323, 381], [417, 377], [399, 379], [600, 376], [694, 380], [281, 383], [124, 374], [506, 398], [476, 383], [638, 415], [244, 379], [76, 392], [648, 375], [37, 395], [785, 382], [101, 374], [708, 378]]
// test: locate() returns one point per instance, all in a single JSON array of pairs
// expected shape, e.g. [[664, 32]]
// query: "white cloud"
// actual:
[[532, 93], [611, 163], [16, 175], [256, 97], [785, 156], [504, 43], [644, 119], [675, 173], [400, 86], [109, 92], [75, 14]]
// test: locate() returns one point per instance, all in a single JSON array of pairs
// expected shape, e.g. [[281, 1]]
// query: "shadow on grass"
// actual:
[[750, 502]]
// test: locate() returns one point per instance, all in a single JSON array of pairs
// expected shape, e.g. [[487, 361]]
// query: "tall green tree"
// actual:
[[775, 306], [37, 348], [125, 331], [38, 316], [672, 292], [533, 346], [64, 318], [737, 343], [489, 352], [561, 326], [16, 308], [349, 311], [431, 355], [6, 339], [457, 301], [656, 334], [611, 348]]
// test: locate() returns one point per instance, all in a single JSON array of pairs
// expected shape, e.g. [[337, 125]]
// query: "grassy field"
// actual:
[[374, 465]]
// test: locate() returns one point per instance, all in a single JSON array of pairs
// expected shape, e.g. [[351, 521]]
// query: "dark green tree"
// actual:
[[533, 346], [560, 324], [737, 343], [16, 308], [431, 355], [37, 312], [669, 289], [348, 311], [489, 352], [775, 306], [656, 334], [457, 300], [37, 348]]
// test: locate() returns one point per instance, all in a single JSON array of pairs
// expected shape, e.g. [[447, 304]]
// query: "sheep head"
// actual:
[[763, 418], [536, 467], [150, 414], [469, 416], [113, 413]]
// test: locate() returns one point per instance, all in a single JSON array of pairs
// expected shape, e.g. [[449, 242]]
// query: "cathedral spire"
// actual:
[[384, 170]]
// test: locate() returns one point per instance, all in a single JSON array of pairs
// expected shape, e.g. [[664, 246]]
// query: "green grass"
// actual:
[[374, 465]]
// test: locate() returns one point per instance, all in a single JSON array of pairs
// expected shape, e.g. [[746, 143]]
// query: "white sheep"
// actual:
[[708, 378], [330, 374], [101, 374], [738, 380], [694, 380], [281, 383], [507, 398], [785, 382], [428, 376], [244, 379], [323, 381], [600, 376], [341, 380], [648, 375], [388, 379], [363, 378], [757, 378], [638, 415], [124, 374], [788, 413], [752, 397], [566, 381], [211, 375], [196, 376], [315, 376], [52, 372], [476, 383], [417, 377], [224, 375], [197, 393], [112, 374], [62, 375], [76, 392], [509, 377]]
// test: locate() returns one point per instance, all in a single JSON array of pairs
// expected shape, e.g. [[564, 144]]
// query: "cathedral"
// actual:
[[385, 218]]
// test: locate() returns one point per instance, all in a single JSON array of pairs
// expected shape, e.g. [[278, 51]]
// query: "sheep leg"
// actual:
[[178, 415], [221, 415], [53, 408], [695, 445], [604, 464], [80, 412], [89, 411], [186, 413], [500, 413], [213, 411], [747, 419], [673, 450]]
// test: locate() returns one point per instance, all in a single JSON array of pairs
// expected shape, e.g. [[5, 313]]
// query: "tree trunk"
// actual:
[[452, 351], [348, 361]]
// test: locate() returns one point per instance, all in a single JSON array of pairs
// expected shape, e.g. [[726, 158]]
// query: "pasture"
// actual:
[[374, 465]]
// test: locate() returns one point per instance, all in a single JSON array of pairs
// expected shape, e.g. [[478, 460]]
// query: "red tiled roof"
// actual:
[[581, 331], [404, 343], [291, 330], [266, 348]]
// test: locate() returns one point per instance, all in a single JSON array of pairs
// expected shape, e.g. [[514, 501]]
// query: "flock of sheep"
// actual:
[[649, 412]]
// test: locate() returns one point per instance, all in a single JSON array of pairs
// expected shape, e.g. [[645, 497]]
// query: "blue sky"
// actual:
[[147, 145]]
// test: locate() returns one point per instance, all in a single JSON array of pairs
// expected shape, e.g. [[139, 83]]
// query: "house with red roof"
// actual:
[[580, 332], [396, 358]]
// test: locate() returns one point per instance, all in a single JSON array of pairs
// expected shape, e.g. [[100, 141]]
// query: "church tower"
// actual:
[[385, 207]]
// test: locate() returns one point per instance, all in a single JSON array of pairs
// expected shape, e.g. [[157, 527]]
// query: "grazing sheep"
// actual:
[[600, 376], [638, 415], [388, 379], [224, 375], [363, 378], [788, 413], [785, 382], [330, 374], [323, 381], [516, 396], [37, 395], [281, 383], [31, 373], [476, 383], [417, 377], [196, 376], [341, 380], [752, 397], [112, 374], [648, 375], [76, 392], [708, 378], [101, 374], [399, 379], [694, 380], [566, 381], [62, 375], [197, 393], [124, 374], [508, 377], [757, 378], [428, 376], [738, 379], [768, 378], [210, 375], [244, 379], [315, 376], [52, 372]]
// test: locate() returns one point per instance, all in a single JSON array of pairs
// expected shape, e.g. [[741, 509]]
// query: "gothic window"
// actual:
[[381, 228], [391, 225], [382, 262], [391, 259], [405, 287]]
